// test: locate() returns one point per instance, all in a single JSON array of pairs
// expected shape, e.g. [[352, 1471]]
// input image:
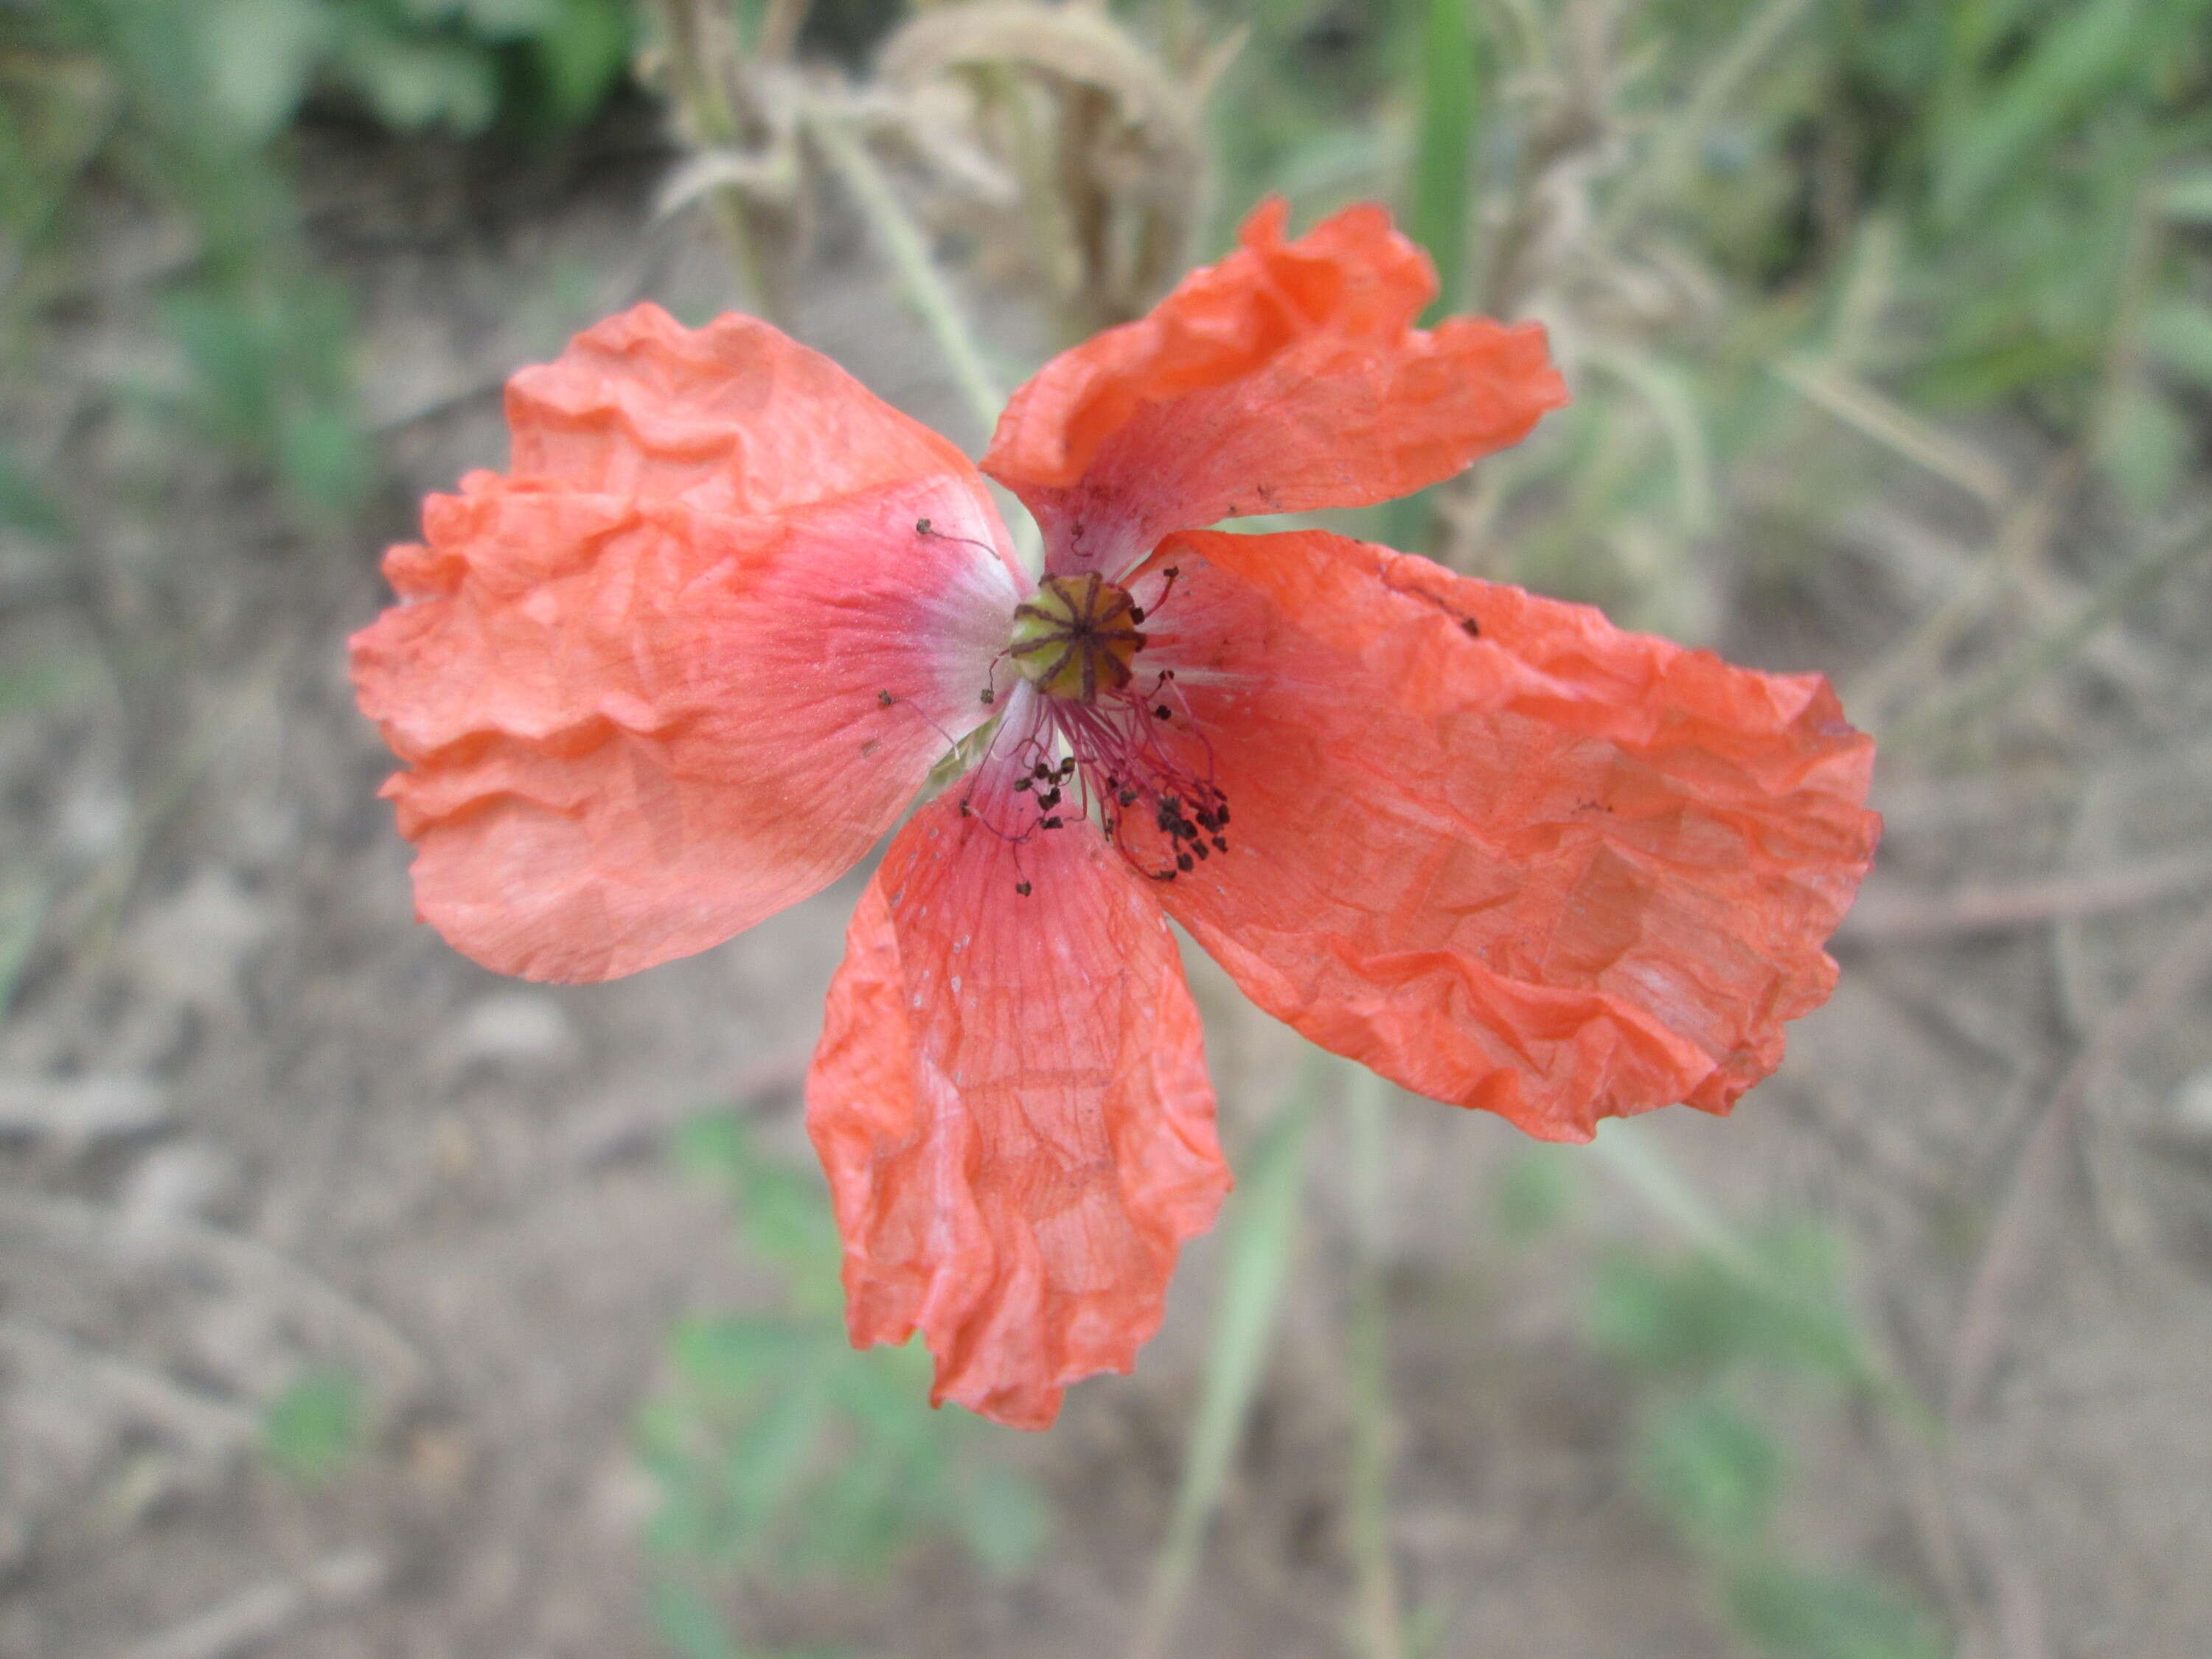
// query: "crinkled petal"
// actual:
[[733, 417], [1010, 1100], [1497, 848], [1286, 378], [641, 715]]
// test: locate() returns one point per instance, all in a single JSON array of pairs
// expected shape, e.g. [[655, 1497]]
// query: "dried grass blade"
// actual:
[[1896, 429], [2132, 581], [2008, 1265]]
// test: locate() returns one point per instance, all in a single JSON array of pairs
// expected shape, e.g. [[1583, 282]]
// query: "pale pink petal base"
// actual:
[[692, 678]]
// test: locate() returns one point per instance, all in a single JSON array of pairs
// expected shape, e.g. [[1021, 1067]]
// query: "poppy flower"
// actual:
[[728, 613]]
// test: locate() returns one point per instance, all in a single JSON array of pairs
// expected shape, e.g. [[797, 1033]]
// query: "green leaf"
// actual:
[[1003, 1519], [777, 1443], [2066, 67], [260, 55], [313, 1430], [26, 505], [22, 911], [415, 83], [2187, 197], [688, 1622], [1792, 1614], [322, 458], [2144, 445], [581, 56], [2178, 335], [511, 20], [1715, 1474], [1532, 1192], [1699, 1316]]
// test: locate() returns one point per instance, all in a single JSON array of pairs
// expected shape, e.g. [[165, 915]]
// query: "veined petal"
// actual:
[[1287, 377], [1497, 848], [1010, 1101], [639, 718]]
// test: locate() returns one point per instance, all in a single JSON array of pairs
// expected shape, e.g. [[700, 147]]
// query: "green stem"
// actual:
[[1369, 1122], [1444, 161], [926, 289], [1259, 1241]]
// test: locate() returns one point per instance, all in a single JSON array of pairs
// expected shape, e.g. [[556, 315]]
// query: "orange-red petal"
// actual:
[[1287, 377], [640, 688], [1497, 849], [1010, 1100]]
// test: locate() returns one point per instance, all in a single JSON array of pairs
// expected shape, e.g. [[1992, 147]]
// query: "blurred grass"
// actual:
[[1729, 1344], [777, 1447], [314, 1430]]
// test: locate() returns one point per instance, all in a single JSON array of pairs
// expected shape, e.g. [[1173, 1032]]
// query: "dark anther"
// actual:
[[1471, 629], [1199, 848], [885, 698], [989, 696], [1040, 770], [1222, 812], [1068, 767], [964, 806], [1136, 614], [921, 527], [1023, 888], [1171, 573], [1166, 674], [1182, 862], [1128, 798], [1048, 800], [1022, 783], [1220, 843], [1051, 823], [1163, 711]]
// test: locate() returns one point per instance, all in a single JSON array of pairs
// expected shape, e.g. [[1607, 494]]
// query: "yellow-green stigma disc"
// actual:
[[1076, 637]]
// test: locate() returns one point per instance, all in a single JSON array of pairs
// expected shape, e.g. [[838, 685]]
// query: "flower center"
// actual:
[[1076, 637]]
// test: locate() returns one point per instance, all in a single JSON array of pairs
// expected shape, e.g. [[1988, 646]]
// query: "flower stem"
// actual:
[[926, 287], [1259, 1242], [1376, 1617]]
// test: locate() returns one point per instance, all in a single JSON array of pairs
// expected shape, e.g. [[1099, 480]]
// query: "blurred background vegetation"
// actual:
[[1815, 268]]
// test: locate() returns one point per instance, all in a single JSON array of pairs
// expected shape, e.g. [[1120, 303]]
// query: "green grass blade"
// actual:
[[902, 242], [1444, 155], [2067, 68], [1260, 1239], [1441, 212], [1380, 1633]]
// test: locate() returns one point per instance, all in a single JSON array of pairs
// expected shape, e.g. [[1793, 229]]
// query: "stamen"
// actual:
[[1106, 745]]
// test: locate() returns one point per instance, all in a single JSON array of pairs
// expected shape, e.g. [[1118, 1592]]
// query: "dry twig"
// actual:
[[1883, 914], [2008, 1264]]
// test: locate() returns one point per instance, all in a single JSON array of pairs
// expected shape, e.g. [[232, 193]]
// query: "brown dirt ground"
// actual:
[[254, 1117]]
